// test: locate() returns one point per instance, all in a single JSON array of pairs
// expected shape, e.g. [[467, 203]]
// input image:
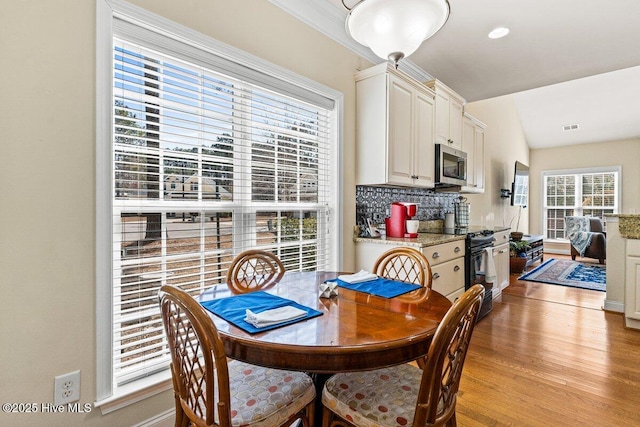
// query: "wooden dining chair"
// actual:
[[211, 390], [405, 394], [404, 264], [253, 270]]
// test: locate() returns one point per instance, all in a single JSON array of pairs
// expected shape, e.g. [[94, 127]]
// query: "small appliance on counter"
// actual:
[[400, 223]]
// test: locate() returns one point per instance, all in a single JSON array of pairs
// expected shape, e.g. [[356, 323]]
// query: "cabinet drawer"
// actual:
[[453, 296], [633, 247], [448, 276], [445, 252]]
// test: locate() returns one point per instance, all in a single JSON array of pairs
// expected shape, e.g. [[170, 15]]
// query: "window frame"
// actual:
[[577, 209], [108, 398]]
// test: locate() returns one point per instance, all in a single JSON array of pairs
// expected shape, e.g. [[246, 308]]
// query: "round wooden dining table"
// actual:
[[356, 331]]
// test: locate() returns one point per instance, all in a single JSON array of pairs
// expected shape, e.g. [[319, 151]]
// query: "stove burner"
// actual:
[[469, 232], [481, 233]]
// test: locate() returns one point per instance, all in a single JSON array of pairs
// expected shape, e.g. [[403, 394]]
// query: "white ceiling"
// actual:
[[567, 61]]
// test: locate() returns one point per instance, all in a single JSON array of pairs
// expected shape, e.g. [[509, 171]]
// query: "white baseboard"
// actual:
[[615, 306], [164, 419]]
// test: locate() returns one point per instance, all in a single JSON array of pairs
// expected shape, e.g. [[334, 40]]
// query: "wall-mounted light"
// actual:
[[394, 29]]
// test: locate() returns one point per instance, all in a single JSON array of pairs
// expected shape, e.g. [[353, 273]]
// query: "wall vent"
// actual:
[[570, 127]]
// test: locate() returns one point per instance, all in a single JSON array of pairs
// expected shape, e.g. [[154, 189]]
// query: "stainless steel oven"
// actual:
[[475, 265]]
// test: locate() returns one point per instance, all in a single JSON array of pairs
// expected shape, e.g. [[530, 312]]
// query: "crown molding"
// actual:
[[330, 21]]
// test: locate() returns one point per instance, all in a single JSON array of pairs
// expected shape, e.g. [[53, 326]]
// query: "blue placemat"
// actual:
[[381, 287], [232, 309]]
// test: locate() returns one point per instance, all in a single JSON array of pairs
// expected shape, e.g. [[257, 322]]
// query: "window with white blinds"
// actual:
[[594, 193], [206, 165]]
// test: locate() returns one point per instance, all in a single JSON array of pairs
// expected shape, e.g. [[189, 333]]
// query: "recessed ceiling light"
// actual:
[[498, 32]]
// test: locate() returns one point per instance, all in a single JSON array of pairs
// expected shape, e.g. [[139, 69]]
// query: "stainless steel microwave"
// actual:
[[451, 166]]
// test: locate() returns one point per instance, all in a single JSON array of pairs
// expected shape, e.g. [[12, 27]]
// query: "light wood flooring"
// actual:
[[550, 356]]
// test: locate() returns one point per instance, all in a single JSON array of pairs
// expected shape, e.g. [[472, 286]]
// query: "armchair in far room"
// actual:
[[587, 237]]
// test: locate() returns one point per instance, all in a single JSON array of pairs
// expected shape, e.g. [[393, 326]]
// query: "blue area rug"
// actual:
[[566, 272]]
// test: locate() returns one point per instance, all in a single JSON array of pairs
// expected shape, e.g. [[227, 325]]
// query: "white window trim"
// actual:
[[598, 169], [107, 398]]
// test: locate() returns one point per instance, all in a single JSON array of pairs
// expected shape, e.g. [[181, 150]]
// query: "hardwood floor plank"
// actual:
[[550, 356]]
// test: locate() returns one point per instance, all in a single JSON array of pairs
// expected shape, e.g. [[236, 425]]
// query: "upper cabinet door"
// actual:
[[479, 158], [448, 115], [400, 149], [442, 118], [455, 123], [473, 145], [424, 159], [468, 146]]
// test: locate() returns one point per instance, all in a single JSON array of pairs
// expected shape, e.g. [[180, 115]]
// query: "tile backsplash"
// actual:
[[374, 202]]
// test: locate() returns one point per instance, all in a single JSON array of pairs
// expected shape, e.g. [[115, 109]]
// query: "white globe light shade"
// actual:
[[392, 27]]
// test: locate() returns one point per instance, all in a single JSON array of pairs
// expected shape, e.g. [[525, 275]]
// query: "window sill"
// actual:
[[136, 391], [556, 241]]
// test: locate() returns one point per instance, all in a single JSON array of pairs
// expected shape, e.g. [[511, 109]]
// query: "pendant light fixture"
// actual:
[[394, 29]]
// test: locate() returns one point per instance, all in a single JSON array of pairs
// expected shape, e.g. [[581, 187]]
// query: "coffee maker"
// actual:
[[412, 225], [400, 221]]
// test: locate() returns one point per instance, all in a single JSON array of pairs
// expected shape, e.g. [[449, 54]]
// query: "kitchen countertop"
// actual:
[[423, 240], [629, 225]]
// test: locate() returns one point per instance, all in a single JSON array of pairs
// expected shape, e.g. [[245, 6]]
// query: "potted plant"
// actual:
[[518, 255]]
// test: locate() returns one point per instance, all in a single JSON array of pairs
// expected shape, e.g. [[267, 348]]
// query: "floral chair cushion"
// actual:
[[265, 396], [384, 397]]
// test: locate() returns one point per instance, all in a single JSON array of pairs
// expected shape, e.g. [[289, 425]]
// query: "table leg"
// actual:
[[319, 380]]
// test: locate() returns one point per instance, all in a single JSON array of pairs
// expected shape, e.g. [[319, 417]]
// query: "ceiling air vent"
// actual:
[[570, 127]]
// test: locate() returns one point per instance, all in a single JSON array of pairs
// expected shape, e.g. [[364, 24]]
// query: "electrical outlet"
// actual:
[[66, 388]]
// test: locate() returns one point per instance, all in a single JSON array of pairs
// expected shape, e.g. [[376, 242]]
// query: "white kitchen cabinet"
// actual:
[[447, 267], [394, 129], [623, 267], [446, 261], [448, 115], [632, 283], [501, 261], [473, 145]]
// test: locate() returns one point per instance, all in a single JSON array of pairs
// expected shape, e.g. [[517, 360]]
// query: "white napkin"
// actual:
[[328, 289], [359, 277], [273, 316]]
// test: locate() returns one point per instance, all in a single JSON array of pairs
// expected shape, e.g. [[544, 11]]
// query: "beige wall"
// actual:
[[504, 144], [47, 128], [614, 153]]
